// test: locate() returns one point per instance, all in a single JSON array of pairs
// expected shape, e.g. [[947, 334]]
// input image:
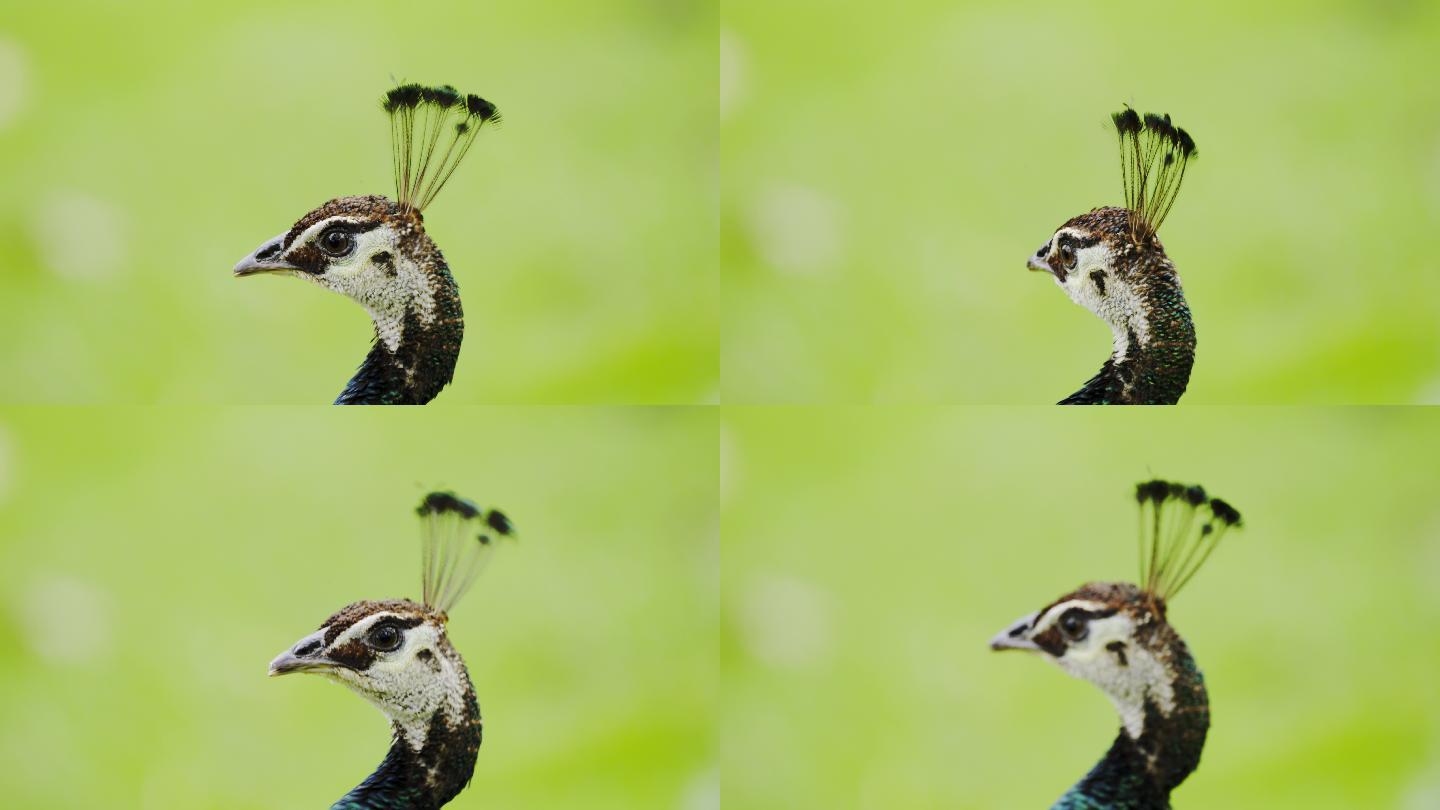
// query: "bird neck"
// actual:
[[1154, 346], [423, 773], [1140, 771], [415, 347]]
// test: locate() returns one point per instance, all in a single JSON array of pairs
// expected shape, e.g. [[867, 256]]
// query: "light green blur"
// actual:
[[155, 144], [870, 556], [887, 168], [152, 562]]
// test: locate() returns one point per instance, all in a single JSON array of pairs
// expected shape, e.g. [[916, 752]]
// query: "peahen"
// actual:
[[1111, 262], [1116, 636], [396, 655], [375, 250]]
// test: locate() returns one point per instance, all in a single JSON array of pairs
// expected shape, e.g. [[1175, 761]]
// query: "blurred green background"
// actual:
[[147, 147], [870, 556], [153, 561], [886, 170]]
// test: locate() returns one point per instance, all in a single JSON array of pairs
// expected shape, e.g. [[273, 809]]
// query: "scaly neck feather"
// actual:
[[422, 361], [426, 779], [1138, 773]]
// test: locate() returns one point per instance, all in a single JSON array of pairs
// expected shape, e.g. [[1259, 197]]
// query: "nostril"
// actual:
[[308, 648], [268, 252]]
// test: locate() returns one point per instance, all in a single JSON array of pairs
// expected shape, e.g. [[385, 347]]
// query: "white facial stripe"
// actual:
[[360, 628], [1053, 614], [314, 230]]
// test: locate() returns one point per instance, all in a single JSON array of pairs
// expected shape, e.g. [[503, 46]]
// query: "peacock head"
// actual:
[[1093, 259], [373, 249], [395, 653], [1104, 260], [1115, 634]]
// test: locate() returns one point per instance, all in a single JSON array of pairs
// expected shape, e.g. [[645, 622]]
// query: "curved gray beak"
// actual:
[[304, 656], [266, 259], [1034, 263], [1016, 636]]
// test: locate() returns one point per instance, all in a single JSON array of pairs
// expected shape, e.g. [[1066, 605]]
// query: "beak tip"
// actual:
[[284, 663], [308, 659], [266, 259], [1015, 637]]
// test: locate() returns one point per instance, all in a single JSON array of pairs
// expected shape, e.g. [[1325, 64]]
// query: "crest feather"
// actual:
[[1180, 526], [419, 117], [1153, 156], [457, 539]]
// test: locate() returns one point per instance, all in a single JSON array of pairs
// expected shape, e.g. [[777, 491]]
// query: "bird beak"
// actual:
[[1034, 263], [1015, 637], [266, 259], [304, 656]]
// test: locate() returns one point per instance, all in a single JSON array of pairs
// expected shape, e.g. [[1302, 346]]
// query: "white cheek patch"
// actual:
[[360, 260], [403, 684], [1115, 303], [1128, 685], [388, 290]]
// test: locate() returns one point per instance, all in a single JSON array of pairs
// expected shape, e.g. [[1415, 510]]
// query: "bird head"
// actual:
[[1093, 259], [1111, 634], [1115, 634], [375, 250], [1110, 260], [393, 653], [370, 249]]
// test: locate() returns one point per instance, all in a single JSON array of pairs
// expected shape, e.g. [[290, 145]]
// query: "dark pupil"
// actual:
[[336, 241], [1071, 622]]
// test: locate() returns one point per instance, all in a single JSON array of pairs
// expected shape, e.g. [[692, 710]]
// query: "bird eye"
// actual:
[[384, 637], [1067, 256], [1072, 624], [337, 242]]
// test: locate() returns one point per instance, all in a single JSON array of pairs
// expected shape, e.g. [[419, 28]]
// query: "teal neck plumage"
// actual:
[[1139, 773], [426, 779]]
